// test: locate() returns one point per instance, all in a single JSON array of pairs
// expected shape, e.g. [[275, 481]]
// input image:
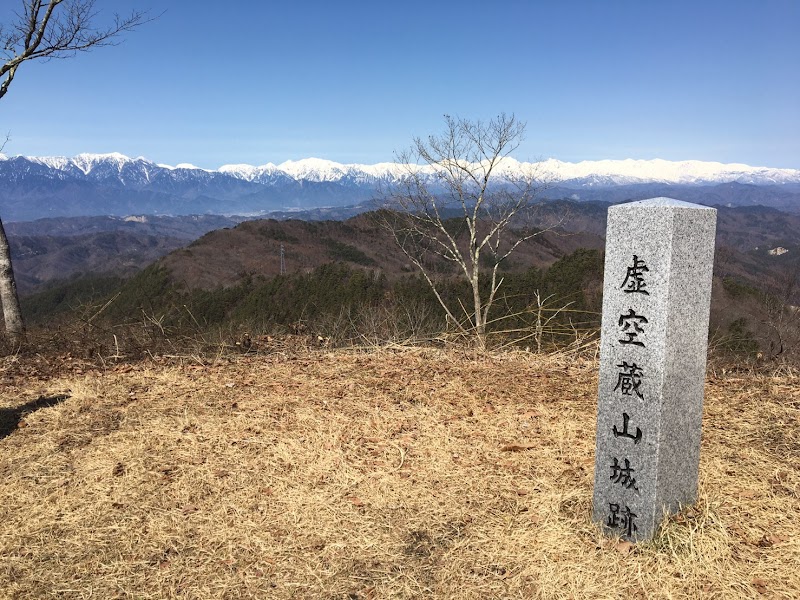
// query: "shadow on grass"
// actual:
[[10, 417]]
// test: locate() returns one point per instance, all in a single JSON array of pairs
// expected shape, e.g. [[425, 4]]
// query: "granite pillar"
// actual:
[[656, 301]]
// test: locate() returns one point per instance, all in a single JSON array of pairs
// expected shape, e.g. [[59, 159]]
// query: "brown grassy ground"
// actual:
[[390, 474]]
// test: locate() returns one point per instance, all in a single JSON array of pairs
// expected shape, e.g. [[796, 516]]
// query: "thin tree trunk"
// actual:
[[15, 326], [480, 324]]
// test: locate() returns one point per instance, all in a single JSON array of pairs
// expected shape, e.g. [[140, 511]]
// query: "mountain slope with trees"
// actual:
[[345, 278]]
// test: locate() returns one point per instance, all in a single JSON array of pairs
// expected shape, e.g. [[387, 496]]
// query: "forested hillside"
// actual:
[[346, 282]]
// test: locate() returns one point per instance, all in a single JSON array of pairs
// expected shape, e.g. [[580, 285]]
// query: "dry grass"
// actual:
[[389, 474]]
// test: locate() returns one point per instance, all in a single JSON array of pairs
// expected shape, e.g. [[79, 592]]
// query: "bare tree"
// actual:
[[780, 316], [43, 30], [463, 201]]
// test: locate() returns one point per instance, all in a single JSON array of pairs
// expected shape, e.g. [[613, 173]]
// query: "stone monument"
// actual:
[[656, 301]]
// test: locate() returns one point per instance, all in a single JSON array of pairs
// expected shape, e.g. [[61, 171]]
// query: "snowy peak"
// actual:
[[114, 184], [246, 172], [314, 169], [663, 171], [87, 162], [600, 173], [93, 166], [263, 174]]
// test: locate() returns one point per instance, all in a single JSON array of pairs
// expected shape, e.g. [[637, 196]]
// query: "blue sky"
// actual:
[[215, 82]]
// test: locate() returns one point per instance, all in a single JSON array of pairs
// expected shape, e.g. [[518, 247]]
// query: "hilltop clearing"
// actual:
[[391, 474]]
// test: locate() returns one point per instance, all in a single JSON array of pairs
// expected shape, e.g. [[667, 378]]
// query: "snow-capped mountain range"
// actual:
[[114, 184], [615, 172]]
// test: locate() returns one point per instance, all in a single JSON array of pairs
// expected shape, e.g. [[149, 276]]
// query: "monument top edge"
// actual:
[[662, 202]]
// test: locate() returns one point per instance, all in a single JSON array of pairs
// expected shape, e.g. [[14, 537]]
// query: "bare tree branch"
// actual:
[[459, 197], [57, 29]]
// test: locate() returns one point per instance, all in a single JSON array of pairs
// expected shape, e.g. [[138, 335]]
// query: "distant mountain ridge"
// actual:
[[115, 184], [141, 171]]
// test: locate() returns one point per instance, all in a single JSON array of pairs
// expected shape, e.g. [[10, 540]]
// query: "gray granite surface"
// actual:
[[656, 300]]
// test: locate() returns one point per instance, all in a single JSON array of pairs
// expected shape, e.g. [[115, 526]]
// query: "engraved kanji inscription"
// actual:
[[636, 437], [634, 280], [631, 325], [629, 379], [622, 473], [624, 519]]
